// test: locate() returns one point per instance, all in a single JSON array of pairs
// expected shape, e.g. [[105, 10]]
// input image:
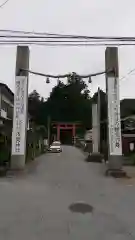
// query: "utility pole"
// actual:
[[98, 110], [113, 107], [19, 133], [95, 128], [48, 127], [95, 156]]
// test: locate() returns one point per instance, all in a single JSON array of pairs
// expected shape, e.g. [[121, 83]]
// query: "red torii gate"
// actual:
[[65, 126]]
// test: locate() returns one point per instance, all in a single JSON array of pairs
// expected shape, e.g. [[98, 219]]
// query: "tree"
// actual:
[[127, 107], [67, 102], [71, 102], [34, 96], [34, 105]]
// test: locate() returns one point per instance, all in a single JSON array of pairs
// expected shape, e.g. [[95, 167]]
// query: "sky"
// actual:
[[82, 17]]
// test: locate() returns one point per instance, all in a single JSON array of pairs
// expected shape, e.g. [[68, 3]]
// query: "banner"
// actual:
[[20, 116], [114, 122]]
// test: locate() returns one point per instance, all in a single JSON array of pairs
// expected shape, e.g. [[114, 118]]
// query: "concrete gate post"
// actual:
[[19, 133], [58, 133], [113, 107], [95, 141], [96, 156], [98, 114], [74, 133]]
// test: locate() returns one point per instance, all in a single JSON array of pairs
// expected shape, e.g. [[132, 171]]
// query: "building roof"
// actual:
[[130, 117], [7, 91]]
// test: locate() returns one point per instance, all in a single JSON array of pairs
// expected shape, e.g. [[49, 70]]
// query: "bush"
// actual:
[[133, 159], [4, 155]]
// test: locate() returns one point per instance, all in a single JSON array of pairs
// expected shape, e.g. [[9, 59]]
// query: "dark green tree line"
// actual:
[[67, 102]]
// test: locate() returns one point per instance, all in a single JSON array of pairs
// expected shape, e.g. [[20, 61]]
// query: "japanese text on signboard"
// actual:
[[19, 116], [114, 117]]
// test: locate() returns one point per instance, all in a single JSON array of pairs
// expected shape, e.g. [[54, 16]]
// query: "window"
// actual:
[[7, 108]]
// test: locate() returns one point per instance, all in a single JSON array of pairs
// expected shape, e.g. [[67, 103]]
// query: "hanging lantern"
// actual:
[[47, 80], [89, 81]]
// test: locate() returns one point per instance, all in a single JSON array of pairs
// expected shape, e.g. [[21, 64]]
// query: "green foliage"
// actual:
[[35, 143], [127, 107], [5, 148], [4, 155], [132, 157], [67, 102]]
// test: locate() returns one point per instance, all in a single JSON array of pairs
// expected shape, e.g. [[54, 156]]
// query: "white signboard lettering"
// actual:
[[20, 115], [114, 123]]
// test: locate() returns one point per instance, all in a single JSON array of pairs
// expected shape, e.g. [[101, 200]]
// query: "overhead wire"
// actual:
[[66, 35], [57, 35], [37, 39], [91, 41], [124, 77], [18, 38], [4, 3], [53, 39], [56, 41], [62, 44]]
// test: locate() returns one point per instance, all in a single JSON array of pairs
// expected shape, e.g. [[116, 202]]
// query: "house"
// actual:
[[128, 125], [6, 102], [128, 134], [6, 108], [127, 107]]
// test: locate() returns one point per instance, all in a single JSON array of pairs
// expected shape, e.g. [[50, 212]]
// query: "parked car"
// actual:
[[55, 147]]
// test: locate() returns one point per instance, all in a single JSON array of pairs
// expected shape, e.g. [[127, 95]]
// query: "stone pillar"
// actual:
[[58, 133], [74, 130], [113, 107], [95, 156], [74, 133], [95, 128], [98, 116], [19, 133]]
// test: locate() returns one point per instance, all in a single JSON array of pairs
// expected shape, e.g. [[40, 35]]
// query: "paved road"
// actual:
[[35, 206]]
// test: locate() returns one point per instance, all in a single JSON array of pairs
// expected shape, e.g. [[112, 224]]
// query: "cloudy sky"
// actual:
[[82, 17]]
